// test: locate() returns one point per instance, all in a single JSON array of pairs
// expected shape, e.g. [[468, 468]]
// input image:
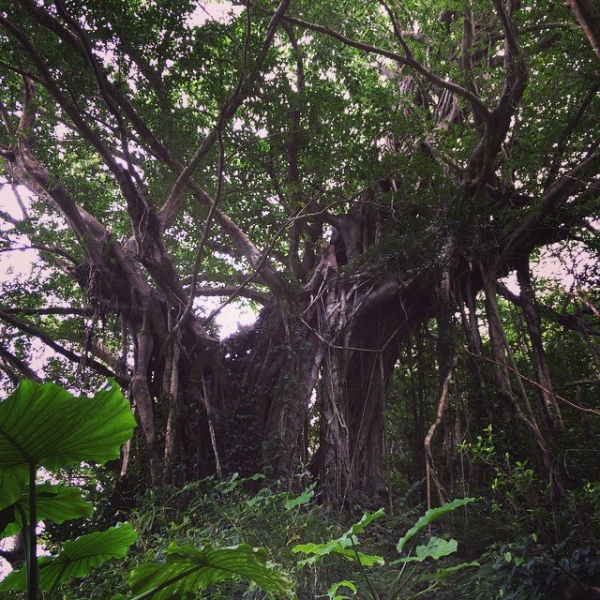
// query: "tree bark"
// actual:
[[540, 363]]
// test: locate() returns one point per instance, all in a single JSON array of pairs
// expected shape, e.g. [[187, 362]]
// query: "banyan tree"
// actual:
[[364, 176]]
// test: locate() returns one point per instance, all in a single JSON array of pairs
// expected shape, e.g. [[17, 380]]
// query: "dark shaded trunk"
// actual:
[[541, 371]]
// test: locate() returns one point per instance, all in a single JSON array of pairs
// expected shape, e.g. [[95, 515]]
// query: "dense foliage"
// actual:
[[405, 194]]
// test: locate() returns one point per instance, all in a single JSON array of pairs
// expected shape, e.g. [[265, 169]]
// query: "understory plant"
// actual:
[[527, 569], [44, 428], [408, 581]]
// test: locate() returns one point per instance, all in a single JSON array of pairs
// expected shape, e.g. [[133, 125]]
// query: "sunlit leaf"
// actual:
[[332, 592], [44, 425], [435, 548], [441, 573], [367, 518], [304, 498], [430, 516], [340, 548], [55, 503], [345, 545]]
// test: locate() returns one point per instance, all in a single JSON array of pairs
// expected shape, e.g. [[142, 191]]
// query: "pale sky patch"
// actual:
[[223, 12]]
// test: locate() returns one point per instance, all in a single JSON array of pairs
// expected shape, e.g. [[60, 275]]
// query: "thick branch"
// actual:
[[46, 339], [51, 310], [522, 238], [227, 290], [136, 204], [587, 15], [482, 160], [18, 364]]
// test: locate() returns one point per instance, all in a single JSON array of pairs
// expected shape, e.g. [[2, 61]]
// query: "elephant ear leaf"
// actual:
[[188, 570], [43, 425], [430, 516], [77, 558], [56, 503]]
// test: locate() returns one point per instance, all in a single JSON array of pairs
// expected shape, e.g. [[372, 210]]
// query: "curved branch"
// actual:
[[50, 310], [522, 238], [41, 248], [228, 110], [154, 145], [113, 108], [475, 102], [179, 185], [40, 176], [293, 152], [228, 290], [18, 364], [569, 129], [482, 160], [397, 31], [136, 204], [48, 341], [66, 104]]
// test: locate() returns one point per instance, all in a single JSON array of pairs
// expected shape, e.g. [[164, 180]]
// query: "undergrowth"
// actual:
[[257, 512]]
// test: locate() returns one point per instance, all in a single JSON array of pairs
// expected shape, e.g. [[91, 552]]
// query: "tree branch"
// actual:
[[522, 238], [50, 310], [18, 364], [228, 290], [228, 110], [475, 102], [29, 329], [587, 16]]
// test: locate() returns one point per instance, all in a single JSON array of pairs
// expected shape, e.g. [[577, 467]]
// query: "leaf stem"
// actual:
[[364, 574], [32, 563]]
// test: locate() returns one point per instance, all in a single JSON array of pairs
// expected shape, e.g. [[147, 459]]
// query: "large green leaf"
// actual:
[[332, 592], [436, 548], [304, 498], [44, 425], [187, 570], [344, 546], [77, 558], [56, 503], [367, 518], [430, 516], [13, 481], [441, 573]]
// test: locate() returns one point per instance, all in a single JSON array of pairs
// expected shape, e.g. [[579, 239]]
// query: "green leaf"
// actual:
[[436, 548], [8, 518], [303, 498], [188, 570], [13, 481], [332, 591], [430, 516], [441, 573], [338, 546], [368, 560], [343, 546], [367, 518], [44, 425], [56, 503], [77, 558]]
